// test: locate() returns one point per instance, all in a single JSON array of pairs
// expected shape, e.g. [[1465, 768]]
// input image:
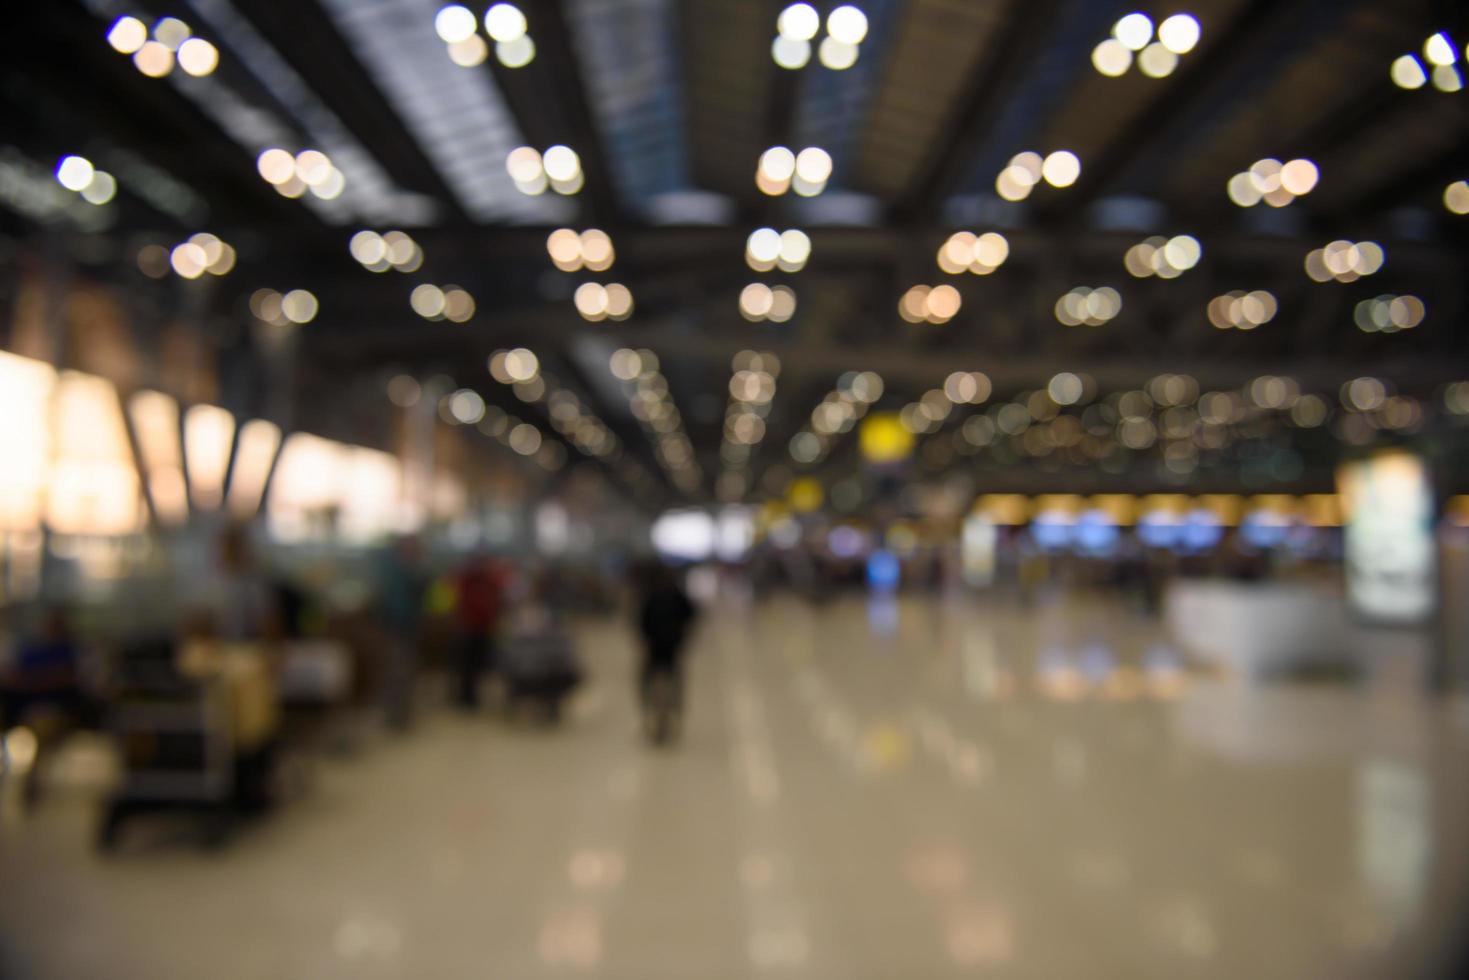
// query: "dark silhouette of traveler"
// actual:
[[41, 690], [401, 588], [664, 616]]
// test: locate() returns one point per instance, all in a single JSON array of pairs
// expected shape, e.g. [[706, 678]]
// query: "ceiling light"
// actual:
[[990, 252], [561, 163], [957, 252], [100, 189], [1242, 191], [171, 32], [469, 52], [188, 260], [790, 52], [1112, 58], [1408, 73], [74, 172], [1446, 78], [517, 53], [795, 249], [1134, 30], [837, 55], [427, 301], [619, 301], [755, 301], [313, 167], [941, 303], [1299, 176], [127, 35], [198, 57], [782, 304], [799, 21], [1065, 388], [1242, 310], [913, 307], [1437, 50], [813, 165], [276, 165], [763, 247], [522, 365], [596, 249], [847, 24], [1061, 168], [331, 187], [454, 23], [564, 247], [504, 22], [1156, 61], [524, 165], [154, 59], [1456, 197], [591, 301], [1084, 305], [299, 306], [778, 164], [1179, 33], [1031, 163], [458, 304]]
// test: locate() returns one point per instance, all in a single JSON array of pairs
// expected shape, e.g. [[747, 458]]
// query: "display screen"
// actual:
[[1388, 505]]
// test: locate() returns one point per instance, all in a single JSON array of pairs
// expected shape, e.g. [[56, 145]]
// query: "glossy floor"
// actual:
[[889, 791]]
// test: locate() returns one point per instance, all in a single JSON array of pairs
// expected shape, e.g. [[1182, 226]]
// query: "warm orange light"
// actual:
[[1226, 507], [1011, 509], [25, 443], [1120, 508], [93, 484], [155, 418], [1322, 509], [209, 433], [259, 441]]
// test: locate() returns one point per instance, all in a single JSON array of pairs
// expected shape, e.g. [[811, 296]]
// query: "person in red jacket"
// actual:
[[479, 597]]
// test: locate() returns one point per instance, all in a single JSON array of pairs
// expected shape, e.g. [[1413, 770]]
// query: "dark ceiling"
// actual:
[[670, 103]]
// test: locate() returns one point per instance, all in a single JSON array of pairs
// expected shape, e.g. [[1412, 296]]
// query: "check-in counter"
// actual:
[[1257, 629]]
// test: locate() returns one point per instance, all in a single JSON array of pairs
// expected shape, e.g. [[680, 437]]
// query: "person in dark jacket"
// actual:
[[401, 587], [664, 616]]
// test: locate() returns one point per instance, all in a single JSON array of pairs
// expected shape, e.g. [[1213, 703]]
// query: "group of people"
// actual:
[[509, 625], [505, 624]]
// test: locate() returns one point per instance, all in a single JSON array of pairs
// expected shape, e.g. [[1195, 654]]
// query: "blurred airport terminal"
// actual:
[[724, 489]]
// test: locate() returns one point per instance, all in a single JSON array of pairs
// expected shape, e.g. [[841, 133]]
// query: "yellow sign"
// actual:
[[883, 439], [805, 494]]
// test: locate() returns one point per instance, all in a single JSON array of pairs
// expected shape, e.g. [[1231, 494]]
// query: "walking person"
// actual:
[[664, 615]]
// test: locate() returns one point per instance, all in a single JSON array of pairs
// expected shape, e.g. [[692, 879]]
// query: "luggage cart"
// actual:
[[540, 667], [176, 741]]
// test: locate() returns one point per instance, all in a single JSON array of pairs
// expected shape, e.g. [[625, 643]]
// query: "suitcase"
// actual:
[[540, 666]]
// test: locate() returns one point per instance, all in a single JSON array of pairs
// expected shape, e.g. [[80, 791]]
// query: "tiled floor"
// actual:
[[887, 791]]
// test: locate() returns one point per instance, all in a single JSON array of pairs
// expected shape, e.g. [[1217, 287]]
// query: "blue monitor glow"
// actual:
[[1158, 530], [1095, 535], [1052, 532], [845, 541], [1264, 530], [883, 571], [1200, 531]]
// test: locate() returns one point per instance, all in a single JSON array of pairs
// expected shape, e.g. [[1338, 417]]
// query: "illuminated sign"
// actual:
[[1389, 537]]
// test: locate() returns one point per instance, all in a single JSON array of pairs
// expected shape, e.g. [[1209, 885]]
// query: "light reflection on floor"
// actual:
[[929, 790]]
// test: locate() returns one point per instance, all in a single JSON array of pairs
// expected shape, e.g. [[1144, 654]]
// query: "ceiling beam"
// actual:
[[548, 98], [992, 79], [303, 34], [1198, 81]]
